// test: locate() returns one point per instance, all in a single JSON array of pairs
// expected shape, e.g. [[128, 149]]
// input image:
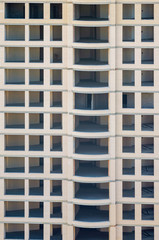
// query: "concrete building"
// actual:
[[79, 120]]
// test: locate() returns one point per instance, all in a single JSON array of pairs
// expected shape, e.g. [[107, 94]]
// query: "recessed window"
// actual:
[[128, 122], [56, 77], [147, 11], [36, 55], [128, 144], [128, 100], [36, 76], [36, 33], [128, 189], [147, 100], [128, 78], [128, 56], [15, 33], [128, 167], [147, 167], [128, 34], [147, 33], [14, 54], [147, 78], [128, 11], [56, 10], [14, 10], [56, 55], [147, 56], [129, 211], [36, 10], [56, 33]]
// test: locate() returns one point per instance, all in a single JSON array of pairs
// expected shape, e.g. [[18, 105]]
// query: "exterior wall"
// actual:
[[68, 134]]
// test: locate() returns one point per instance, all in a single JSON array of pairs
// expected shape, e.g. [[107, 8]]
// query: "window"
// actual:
[[56, 11]]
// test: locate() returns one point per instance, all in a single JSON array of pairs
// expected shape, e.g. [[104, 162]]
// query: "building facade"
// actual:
[[79, 114]]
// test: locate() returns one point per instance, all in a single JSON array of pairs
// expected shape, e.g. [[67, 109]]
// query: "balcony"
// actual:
[[147, 190], [15, 120], [36, 143], [14, 143], [91, 79], [36, 209], [92, 191], [128, 100], [14, 209], [36, 11], [128, 122], [55, 33], [91, 146], [15, 54], [36, 33], [147, 167], [91, 168], [128, 145], [91, 34], [128, 189], [128, 56], [56, 232], [55, 55], [14, 187], [85, 101], [15, 76], [36, 121], [147, 11], [56, 121], [14, 231], [128, 167], [91, 213], [15, 33], [147, 123], [56, 143], [14, 99], [147, 34], [147, 100], [36, 187], [128, 212], [56, 210], [36, 165], [147, 212], [128, 34], [128, 233], [36, 231], [91, 56], [36, 99], [148, 233], [90, 234], [56, 165], [36, 55], [85, 12], [56, 11], [147, 56], [56, 99], [15, 10], [128, 11], [14, 165], [56, 188], [56, 77], [128, 78], [36, 76], [91, 123], [147, 145]]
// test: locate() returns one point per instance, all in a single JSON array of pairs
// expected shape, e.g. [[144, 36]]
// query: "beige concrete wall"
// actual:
[[115, 134]]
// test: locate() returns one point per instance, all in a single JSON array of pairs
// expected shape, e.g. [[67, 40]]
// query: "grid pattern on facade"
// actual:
[[79, 120]]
